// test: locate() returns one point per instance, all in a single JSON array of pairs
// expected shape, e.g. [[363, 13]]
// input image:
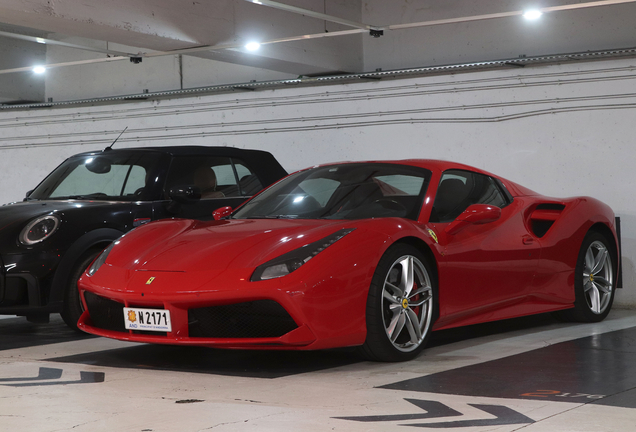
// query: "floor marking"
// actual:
[[433, 409], [46, 375], [503, 416]]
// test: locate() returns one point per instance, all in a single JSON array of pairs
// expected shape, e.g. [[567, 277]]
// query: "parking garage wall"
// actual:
[[561, 130]]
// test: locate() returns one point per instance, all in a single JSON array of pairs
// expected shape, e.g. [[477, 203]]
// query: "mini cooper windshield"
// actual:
[[121, 177], [347, 191]]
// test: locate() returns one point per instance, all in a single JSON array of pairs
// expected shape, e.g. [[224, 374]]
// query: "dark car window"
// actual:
[[459, 189], [347, 191], [216, 177], [105, 176]]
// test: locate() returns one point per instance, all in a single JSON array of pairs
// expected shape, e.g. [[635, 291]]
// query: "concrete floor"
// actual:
[[530, 374]]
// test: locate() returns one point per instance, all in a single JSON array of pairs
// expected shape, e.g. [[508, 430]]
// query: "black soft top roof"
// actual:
[[185, 151], [268, 168]]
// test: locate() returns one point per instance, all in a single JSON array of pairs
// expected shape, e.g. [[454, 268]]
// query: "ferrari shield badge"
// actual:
[[433, 235], [149, 281]]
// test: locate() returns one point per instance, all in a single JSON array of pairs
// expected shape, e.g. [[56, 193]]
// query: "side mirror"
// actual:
[[221, 213], [98, 165], [185, 194], [475, 214]]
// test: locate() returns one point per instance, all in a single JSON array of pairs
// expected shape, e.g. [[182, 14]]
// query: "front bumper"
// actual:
[[252, 324], [25, 283]]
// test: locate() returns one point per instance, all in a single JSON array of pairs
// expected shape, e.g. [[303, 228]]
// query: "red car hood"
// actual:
[[188, 245]]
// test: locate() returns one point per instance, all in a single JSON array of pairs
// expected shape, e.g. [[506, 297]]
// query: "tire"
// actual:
[[594, 280], [73, 307], [401, 305]]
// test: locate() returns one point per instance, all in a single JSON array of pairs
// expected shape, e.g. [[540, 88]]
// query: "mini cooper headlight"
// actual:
[[292, 261], [39, 229], [101, 259]]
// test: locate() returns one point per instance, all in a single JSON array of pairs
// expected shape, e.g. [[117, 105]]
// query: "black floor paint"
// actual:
[[19, 333], [243, 363], [596, 369], [270, 364]]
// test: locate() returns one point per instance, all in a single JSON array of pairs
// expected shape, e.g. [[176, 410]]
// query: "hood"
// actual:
[[187, 245], [18, 213]]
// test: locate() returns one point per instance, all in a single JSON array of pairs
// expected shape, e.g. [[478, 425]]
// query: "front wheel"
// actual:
[[401, 305], [594, 280], [73, 307]]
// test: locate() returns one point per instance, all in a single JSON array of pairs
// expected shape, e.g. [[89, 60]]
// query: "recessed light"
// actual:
[[39, 69], [252, 46], [532, 14]]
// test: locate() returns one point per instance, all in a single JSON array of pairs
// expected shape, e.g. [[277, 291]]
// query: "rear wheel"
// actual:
[[594, 280], [73, 307], [401, 305]]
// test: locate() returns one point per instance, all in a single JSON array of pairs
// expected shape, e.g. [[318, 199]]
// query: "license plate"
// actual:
[[147, 319]]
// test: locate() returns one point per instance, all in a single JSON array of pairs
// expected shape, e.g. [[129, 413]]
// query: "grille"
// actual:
[[105, 314], [255, 319]]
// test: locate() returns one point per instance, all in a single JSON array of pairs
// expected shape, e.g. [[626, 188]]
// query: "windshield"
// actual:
[[347, 191], [120, 176]]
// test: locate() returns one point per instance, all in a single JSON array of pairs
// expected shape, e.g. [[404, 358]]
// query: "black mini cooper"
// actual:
[[91, 199]]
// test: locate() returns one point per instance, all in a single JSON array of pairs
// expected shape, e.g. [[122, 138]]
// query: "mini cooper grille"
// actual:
[[255, 319], [105, 314]]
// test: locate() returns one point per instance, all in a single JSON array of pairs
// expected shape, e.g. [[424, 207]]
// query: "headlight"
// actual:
[[101, 259], [291, 261], [39, 229]]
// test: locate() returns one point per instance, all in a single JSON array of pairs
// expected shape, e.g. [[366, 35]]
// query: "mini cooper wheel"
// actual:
[[73, 307], [594, 280], [401, 305]]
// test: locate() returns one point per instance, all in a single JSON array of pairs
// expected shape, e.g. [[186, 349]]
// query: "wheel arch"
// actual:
[[96, 239], [603, 229], [614, 240], [423, 247]]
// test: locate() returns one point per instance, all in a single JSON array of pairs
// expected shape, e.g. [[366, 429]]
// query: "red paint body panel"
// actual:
[[489, 271]]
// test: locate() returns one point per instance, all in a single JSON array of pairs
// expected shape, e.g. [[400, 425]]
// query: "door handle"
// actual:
[[527, 240]]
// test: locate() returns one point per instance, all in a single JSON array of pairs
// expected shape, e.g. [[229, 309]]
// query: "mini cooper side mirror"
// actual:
[[221, 213], [475, 214], [98, 165], [184, 194]]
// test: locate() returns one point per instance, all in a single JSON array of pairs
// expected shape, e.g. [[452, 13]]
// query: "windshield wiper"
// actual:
[[96, 195]]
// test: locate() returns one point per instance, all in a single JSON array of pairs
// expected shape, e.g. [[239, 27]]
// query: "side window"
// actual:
[[248, 181], [214, 176], [459, 189]]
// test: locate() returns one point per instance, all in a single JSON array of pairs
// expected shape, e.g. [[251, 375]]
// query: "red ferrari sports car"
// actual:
[[369, 254]]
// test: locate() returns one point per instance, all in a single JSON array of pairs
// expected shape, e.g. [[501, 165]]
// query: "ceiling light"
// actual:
[[252, 46], [532, 14], [39, 69]]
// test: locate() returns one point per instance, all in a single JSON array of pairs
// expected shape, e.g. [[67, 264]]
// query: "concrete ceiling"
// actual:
[[302, 37]]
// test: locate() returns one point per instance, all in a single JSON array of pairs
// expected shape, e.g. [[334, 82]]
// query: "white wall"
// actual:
[[561, 130], [586, 29], [28, 86]]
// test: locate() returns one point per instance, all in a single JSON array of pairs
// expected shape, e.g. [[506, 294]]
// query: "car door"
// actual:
[[486, 268]]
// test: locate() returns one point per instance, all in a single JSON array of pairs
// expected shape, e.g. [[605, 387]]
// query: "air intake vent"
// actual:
[[105, 314], [543, 217], [255, 319]]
